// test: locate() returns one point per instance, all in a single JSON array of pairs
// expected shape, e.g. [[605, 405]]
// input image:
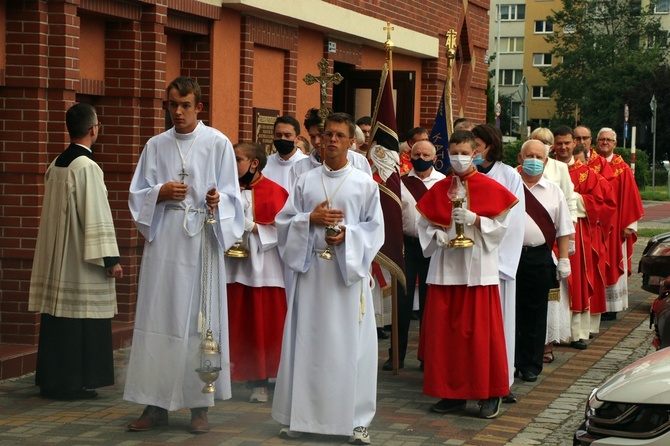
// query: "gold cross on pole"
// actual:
[[323, 80], [451, 45]]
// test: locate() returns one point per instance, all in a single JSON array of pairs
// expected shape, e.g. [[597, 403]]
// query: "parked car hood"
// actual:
[[646, 381]]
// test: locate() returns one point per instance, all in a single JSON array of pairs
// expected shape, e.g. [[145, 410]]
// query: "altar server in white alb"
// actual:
[[315, 158], [327, 381], [183, 174], [488, 141]]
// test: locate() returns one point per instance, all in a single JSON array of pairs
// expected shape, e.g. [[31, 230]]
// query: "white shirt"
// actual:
[[277, 168], [410, 216], [553, 200]]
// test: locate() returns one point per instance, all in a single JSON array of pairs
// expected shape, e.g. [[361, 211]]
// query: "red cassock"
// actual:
[[462, 336], [583, 263], [256, 314], [629, 210]]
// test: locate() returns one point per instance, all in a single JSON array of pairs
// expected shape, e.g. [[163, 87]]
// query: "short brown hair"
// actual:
[[185, 85]]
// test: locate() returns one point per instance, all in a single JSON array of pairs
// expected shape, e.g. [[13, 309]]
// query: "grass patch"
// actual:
[[650, 232], [658, 193]]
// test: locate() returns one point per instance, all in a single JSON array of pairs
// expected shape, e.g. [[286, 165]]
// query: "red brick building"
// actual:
[[248, 55]]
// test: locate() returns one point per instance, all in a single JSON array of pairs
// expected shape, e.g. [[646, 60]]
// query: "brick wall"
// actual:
[[41, 80]]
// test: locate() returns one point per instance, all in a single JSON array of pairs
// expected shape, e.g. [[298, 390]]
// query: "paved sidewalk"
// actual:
[[546, 413]]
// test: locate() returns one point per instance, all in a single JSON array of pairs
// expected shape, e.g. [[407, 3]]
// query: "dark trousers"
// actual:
[[534, 279], [416, 265]]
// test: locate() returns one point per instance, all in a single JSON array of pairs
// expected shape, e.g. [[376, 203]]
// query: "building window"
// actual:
[[635, 8], [512, 12], [542, 59], [510, 77], [511, 44], [544, 27], [541, 92], [660, 39], [662, 6]]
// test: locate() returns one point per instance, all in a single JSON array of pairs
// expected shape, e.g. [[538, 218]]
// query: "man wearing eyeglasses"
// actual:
[[327, 376], [629, 211], [74, 271], [594, 161]]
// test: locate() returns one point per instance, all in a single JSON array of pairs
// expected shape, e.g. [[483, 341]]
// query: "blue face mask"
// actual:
[[478, 160], [533, 166], [422, 165]]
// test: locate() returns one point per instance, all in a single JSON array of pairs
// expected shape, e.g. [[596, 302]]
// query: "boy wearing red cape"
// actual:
[[462, 335], [256, 296]]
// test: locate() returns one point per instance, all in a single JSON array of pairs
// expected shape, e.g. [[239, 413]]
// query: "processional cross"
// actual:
[[323, 80]]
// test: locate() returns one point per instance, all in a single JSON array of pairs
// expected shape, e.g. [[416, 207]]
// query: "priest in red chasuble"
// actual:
[[586, 287], [629, 211]]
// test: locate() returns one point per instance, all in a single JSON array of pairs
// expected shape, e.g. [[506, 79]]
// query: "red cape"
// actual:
[[485, 196], [268, 199]]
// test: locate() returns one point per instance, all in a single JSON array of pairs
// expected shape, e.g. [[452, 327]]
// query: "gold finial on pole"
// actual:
[[451, 57], [323, 80], [388, 45]]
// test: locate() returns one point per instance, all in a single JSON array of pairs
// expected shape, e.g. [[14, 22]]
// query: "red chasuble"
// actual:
[[629, 210], [256, 314], [583, 263], [600, 165], [485, 196]]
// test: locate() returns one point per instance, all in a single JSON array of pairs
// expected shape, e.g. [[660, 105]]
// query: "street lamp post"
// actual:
[[652, 104]]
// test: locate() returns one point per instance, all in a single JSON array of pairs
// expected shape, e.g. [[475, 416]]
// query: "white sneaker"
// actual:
[[259, 395], [288, 434], [360, 436]]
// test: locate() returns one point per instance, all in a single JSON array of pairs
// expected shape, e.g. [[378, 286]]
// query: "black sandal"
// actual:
[[548, 357]]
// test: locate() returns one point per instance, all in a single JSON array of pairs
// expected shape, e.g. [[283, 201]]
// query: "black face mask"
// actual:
[[422, 165], [247, 178], [283, 146]]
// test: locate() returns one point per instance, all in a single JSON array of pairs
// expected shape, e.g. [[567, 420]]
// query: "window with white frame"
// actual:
[[544, 27], [511, 44], [541, 59], [541, 92], [510, 77], [662, 6], [512, 12]]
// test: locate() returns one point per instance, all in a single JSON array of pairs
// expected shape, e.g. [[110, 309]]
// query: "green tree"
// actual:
[[604, 50]]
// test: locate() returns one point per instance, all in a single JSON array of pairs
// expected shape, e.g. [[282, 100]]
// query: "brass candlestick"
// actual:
[[456, 194]]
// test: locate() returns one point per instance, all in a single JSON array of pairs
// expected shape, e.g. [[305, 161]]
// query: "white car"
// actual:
[[632, 407]]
